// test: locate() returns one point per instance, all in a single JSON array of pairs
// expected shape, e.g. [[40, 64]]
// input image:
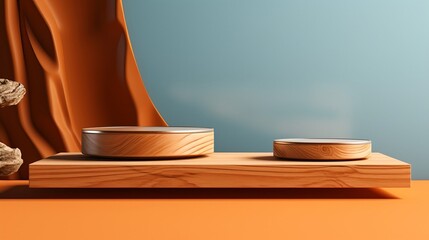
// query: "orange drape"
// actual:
[[75, 59]]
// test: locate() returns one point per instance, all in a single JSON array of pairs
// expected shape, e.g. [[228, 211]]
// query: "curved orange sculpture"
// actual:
[[76, 61]]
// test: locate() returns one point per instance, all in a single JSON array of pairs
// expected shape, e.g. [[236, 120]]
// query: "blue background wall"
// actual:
[[260, 70]]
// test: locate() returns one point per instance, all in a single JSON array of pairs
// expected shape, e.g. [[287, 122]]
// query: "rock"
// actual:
[[10, 160], [11, 92]]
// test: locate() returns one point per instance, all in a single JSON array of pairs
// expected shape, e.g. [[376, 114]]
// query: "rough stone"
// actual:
[[11, 92], [10, 160]]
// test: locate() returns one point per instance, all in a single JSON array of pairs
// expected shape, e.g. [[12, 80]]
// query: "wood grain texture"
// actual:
[[141, 144], [321, 151], [218, 170]]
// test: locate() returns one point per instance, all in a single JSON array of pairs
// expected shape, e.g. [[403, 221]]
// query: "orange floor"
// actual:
[[213, 213]]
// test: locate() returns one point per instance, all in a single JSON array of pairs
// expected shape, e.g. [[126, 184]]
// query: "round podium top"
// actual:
[[322, 148], [138, 129], [329, 141]]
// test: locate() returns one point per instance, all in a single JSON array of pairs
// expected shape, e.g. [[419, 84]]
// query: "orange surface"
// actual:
[[213, 213]]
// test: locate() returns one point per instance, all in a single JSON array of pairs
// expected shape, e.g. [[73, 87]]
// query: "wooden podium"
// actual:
[[217, 170]]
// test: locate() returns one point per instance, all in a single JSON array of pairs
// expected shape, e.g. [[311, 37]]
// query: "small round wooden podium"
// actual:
[[147, 142], [322, 148]]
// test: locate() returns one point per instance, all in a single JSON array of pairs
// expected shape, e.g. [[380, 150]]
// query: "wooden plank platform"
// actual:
[[218, 170]]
